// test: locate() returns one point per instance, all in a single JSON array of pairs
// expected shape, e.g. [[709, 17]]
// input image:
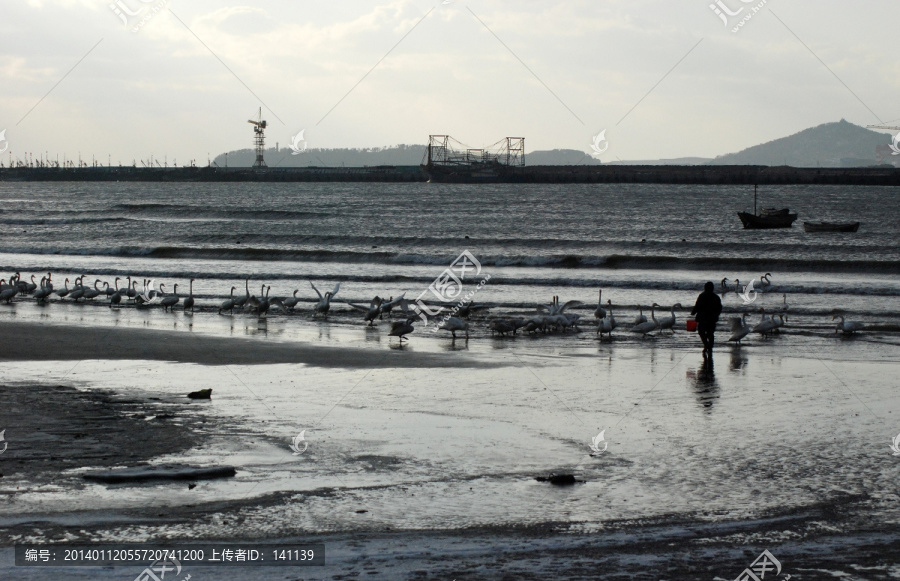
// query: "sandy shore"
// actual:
[[422, 461]]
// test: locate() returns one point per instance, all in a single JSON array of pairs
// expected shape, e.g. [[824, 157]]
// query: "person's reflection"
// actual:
[[705, 386]]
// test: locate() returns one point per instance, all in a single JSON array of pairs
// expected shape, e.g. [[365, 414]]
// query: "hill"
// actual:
[[840, 144]]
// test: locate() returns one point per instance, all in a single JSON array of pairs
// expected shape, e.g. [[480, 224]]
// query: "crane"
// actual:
[[259, 139]]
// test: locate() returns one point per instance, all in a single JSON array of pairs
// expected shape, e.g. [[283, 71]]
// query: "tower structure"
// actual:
[[259, 139]]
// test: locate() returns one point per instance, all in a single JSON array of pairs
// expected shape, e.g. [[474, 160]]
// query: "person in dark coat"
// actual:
[[707, 309]]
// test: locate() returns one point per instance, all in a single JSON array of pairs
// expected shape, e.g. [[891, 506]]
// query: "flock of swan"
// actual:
[[549, 318]]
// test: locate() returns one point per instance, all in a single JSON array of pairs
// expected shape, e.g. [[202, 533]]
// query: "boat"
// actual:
[[831, 226], [767, 218]]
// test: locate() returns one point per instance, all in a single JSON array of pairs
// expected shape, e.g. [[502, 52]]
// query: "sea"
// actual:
[[640, 243]]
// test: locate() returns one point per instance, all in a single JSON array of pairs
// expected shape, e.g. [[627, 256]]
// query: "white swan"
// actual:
[[600, 313], [324, 303], [741, 329], [847, 327], [228, 304], [669, 322], [241, 301], [641, 318], [290, 302], [648, 326], [608, 324], [92, 293], [765, 326], [65, 291], [189, 301], [263, 304], [402, 328], [170, 300], [373, 311], [454, 324], [8, 293], [42, 293]]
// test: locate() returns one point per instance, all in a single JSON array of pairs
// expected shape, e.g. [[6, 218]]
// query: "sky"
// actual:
[[126, 79]]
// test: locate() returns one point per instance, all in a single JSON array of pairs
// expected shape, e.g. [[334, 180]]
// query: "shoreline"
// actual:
[[884, 175]]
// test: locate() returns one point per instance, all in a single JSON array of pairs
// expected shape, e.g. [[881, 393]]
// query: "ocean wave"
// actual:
[[200, 212], [556, 262], [54, 221]]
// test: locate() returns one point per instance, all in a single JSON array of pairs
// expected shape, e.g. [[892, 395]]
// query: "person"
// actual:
[[707, 309]]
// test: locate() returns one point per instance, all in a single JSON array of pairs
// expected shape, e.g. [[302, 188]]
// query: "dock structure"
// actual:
[[447, 159]]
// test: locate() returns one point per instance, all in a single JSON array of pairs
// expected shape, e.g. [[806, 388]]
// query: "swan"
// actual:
[[600, 313], [241, 301], [169, 301], [765, 326], [847, 327], [641, 318], [189, 301], [401, 328], [290, 302], [92, 293], [77, 290], [373, 311], [110, 291], [263, 307], [228, 304], [784, 305], [30, 286], [608, 324], [8, 293], [130, 291], [388, 306], [324, 303], [741, 329], [648, 326], [554, 308], [148, 295], [780, 322], [764, 282], [65, 291], [669, 322], [454, 324], [466, 310], [116, 299], [502, 326], [42, 293]]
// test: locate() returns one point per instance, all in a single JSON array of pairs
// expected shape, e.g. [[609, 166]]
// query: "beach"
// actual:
[[422, 459]]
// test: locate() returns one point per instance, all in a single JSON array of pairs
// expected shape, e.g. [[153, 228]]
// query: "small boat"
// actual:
[[767, 218], [831, 226]]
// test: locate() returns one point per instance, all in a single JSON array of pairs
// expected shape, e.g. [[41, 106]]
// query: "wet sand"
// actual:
[[422, 461]]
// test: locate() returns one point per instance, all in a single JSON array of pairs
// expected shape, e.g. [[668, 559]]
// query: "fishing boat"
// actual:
[[767, 218], [831, 226]]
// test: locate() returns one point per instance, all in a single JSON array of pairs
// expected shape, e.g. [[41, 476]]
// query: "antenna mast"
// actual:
[[259, 139]]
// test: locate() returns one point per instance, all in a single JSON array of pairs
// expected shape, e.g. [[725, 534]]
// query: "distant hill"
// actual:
[[283, 157], [394, 155], [840, 144], [560, 157], [674, 161]]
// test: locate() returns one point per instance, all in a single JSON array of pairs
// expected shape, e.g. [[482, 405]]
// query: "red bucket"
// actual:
[[691, 325]]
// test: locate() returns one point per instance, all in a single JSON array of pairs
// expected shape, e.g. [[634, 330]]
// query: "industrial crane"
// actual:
[[259, 139]]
